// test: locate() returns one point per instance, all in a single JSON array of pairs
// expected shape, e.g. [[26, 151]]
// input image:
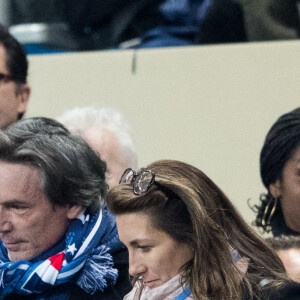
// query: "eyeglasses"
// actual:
[[5, 77], [141, 181]]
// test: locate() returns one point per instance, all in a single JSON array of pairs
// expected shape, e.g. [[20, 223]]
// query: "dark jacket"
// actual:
[[105, 24], [290, 291]]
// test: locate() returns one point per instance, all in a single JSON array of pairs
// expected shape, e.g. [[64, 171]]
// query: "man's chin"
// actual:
[[19, 255], [14, 257]]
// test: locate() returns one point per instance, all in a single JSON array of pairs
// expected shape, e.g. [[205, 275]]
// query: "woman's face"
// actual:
[[154, 256], [288, 188]]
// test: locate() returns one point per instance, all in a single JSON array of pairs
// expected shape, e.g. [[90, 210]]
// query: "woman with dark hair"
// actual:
[[186, 240], [279, 209]]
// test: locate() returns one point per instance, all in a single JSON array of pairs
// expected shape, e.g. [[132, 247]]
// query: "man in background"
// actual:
[[107, 132], [14, 91]]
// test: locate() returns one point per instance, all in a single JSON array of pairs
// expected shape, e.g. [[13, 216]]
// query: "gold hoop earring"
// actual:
[[266, 222]]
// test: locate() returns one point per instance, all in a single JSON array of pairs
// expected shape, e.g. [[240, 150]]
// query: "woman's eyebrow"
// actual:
[[136, 242]]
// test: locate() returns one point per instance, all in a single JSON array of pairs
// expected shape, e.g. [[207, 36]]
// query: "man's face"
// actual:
[[13, 96], [29, 224]]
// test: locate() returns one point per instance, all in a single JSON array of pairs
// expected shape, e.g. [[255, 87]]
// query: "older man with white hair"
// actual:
[[108, 133]]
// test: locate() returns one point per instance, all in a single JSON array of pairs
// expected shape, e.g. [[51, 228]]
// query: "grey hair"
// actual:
[[80, 119], [71, 172]]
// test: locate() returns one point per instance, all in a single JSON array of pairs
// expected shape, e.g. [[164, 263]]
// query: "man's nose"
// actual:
[[5, 223], [136, 266]]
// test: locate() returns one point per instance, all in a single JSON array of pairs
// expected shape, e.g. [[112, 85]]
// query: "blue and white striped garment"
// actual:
[[88, 242]]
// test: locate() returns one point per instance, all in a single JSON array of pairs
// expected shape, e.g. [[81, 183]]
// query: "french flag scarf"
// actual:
[[86, 255]]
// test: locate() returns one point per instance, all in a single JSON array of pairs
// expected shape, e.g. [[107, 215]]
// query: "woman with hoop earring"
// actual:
[[279, 208]]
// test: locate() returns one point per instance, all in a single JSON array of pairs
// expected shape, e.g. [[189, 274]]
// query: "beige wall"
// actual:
[[210, 106]]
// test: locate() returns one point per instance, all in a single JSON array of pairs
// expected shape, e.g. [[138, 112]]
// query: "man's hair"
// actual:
[[284, 242], [80, 119], [71, 172], [16, 60], [280, 143], [188, 206]]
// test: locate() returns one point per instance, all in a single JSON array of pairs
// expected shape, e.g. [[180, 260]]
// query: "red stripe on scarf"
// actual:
[[57, 260]]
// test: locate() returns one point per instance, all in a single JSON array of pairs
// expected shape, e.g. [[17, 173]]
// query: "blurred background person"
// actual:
[[154, 23], [267, 20], [185, 239], [118, 24], [279, 209], [288, 249], [14, 90], [108, 133]]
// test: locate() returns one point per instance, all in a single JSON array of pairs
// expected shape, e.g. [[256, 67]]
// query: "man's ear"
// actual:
[[73, 211], [23, 93], [275, 189]]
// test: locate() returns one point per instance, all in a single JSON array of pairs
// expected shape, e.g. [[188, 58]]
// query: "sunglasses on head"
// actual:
[[140, 181]]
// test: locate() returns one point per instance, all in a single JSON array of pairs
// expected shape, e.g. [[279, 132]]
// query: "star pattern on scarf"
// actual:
[[72, 248], [84, 218], [81, 247]]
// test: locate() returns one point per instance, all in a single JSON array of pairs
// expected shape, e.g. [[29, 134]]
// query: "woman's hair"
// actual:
[[187, 205], [281, 141]]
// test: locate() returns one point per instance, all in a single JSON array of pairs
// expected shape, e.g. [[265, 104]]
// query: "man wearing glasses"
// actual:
[[14, 91]]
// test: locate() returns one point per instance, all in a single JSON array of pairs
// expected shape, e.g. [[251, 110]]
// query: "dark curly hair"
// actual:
[[281, 141]]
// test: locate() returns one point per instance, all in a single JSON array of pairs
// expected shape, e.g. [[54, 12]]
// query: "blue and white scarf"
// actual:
[[87, 246]]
